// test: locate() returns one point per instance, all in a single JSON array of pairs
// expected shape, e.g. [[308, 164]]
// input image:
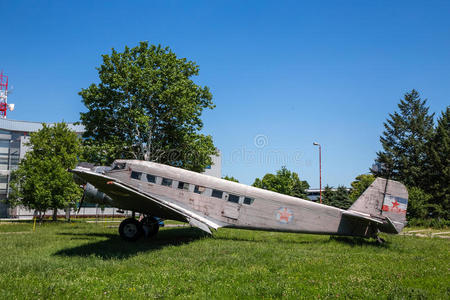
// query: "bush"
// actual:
[[437, 223]]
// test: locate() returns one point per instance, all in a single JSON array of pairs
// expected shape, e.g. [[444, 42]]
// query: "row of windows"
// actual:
[[198, 189]]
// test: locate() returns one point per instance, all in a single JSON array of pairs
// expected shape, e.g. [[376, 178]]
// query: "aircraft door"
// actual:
[[232, 206]]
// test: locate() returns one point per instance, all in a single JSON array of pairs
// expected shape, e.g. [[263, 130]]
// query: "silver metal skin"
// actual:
[[382, 207]]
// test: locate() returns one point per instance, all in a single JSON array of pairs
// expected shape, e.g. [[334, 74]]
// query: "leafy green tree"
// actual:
[[284, 182], [230, 178], [41, 181], [147, 106], [418, 204], [404, 141], [338, 198], [327, 195], [359, 185], [439, 165]]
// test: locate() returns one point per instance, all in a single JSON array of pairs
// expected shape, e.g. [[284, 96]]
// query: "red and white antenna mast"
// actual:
[[4, 106]]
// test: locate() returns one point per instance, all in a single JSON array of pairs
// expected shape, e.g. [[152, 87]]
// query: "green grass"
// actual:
[[82, 260]]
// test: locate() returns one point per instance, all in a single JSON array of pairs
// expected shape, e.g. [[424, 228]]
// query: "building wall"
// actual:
[[216, 168]]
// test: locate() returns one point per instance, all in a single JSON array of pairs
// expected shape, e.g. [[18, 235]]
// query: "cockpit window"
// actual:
[[118, 166]]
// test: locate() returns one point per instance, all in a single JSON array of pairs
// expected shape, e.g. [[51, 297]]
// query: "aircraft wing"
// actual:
[[131, 198]]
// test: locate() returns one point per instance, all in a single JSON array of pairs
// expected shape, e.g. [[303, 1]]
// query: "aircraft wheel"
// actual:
[[130, 229], [150, 226]]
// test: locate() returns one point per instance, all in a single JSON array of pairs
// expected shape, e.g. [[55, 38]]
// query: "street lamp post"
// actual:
[[320, 170]]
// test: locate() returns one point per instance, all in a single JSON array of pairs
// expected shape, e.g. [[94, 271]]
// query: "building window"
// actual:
[[248, 200], [183, 185], [217, 194], [136, 175], [166, 182], [199, 189], [151, 178], [233, 198]]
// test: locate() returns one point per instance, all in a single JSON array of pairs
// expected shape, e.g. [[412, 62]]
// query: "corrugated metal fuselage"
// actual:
[[268, 210]]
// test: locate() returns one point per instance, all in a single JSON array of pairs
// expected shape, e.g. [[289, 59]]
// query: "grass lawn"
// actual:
[[85, 260]]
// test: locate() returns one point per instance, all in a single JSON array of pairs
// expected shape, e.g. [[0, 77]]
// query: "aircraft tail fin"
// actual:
[[384, 199]]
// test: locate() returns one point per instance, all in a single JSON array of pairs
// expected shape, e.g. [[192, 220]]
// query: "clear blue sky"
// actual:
[[290, 71]]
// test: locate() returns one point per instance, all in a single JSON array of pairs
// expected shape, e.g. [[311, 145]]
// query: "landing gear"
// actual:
[[150, 226], [130, 229], [380, 240]]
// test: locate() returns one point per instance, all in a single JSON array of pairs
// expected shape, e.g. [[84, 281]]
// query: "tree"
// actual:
[[284, 182], [230, 178], [439, 164], [148, 107], [404, 141], [338, 198], [41, 180], [359, 185], [418, 204]]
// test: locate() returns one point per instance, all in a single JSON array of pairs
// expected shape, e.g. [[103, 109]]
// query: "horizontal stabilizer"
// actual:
[[360, 216]]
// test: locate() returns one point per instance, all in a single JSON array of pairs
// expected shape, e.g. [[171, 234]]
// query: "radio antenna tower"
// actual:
[[4, 106]]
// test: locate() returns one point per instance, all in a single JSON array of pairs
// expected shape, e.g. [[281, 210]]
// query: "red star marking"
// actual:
[[395, 204], [284, 215]]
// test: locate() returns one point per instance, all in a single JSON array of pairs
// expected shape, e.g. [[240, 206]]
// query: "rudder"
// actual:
[[384, 199]]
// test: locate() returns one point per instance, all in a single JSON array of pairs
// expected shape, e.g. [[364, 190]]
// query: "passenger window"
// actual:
[[183, 185], [248, 200], [166, 182], [136, 175], [199, 189], [217, 194], [233, 198], [151, 178]]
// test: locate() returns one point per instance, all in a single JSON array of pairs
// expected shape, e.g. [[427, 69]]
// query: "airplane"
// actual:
[[161, 192]]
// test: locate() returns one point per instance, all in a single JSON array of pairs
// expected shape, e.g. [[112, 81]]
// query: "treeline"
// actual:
[[289, 183], [416, 152]]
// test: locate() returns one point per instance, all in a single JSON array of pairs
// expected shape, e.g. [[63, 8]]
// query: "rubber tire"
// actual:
[[153, 226], [130, 229]]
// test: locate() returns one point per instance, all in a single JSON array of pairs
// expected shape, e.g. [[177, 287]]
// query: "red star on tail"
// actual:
[[395, 204]]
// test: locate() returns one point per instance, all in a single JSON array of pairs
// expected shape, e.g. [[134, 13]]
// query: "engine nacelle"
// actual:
[[93, 195]]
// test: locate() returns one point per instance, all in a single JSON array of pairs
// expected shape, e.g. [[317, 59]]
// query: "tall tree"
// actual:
[[42, 182], [147, 106], [359, 185], [439, 165], [284, 182], [404, 141]]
